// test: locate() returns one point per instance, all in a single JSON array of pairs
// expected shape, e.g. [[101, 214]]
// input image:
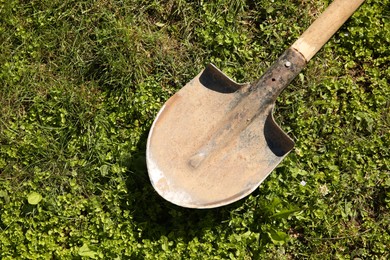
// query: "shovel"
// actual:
[[215, 141]]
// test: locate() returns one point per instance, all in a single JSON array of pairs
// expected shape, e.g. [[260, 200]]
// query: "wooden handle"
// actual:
[[325, 26]]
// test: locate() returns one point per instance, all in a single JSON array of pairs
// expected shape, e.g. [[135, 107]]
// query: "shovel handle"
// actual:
[[327, 24]]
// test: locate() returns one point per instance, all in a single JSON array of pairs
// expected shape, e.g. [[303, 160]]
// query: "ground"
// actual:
[[81, 82]]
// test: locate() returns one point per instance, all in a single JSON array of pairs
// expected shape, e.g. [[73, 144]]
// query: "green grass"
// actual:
[[81, 82]]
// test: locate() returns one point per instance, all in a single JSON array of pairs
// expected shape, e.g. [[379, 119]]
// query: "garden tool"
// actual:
[[214, 141]]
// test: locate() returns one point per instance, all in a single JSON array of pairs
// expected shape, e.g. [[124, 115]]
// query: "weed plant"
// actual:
[[81, 82]]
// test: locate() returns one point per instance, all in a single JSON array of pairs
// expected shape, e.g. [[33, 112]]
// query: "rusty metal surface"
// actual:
[[215, 141]]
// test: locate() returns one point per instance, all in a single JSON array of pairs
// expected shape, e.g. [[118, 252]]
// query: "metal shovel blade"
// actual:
[[215, 141]]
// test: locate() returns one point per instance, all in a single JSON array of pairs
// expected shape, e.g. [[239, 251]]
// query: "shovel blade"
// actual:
[[207, 149]]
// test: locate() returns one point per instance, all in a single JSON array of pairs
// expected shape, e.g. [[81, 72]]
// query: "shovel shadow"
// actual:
[[214, 79], [277, 140], [157, 217]]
